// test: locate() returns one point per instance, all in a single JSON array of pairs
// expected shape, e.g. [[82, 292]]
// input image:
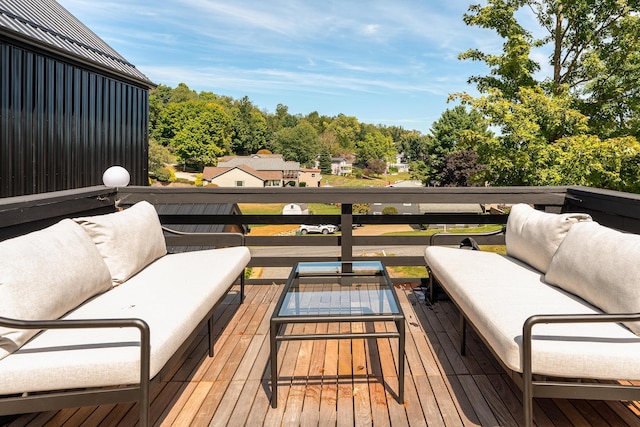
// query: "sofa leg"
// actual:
[[432, 283], [210, 330], [463, 334], [242, 285]]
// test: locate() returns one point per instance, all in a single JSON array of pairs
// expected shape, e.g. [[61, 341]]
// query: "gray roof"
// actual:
[[48, 25], [197, 209]]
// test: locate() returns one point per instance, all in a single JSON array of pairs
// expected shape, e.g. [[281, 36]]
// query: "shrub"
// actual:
[[389, 210], [165, 174]]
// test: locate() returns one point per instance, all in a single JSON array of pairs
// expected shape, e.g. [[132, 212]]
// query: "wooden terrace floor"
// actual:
[[339, 382]]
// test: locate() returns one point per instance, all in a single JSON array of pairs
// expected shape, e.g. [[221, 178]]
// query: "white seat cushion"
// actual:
[[45, 274], [172, 295], [498, 293]]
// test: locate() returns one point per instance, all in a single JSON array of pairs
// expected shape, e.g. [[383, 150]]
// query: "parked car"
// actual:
[[320, 228]]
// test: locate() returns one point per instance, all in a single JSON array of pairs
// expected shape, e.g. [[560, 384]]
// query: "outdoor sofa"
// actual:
[[560, 311], [93, 308]]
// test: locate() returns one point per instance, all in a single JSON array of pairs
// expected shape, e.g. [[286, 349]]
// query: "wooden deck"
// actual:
[[339, 382]]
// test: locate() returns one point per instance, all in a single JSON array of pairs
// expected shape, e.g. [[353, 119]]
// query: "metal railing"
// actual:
[[619, 210]]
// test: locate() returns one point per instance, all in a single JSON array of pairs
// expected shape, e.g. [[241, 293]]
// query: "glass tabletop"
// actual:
[[324, 289]]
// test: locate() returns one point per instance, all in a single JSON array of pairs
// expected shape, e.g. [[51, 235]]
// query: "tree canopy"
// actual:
[[589, 101]]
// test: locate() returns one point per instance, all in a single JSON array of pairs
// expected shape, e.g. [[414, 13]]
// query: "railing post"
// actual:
[[346, 227]]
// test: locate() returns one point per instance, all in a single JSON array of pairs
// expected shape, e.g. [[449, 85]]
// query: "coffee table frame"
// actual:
[[277, 332]]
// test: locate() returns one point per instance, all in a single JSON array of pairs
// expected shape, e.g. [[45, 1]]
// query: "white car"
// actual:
[[321, 228]]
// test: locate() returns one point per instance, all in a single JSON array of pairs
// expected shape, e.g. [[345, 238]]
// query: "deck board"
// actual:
[[338, 382]]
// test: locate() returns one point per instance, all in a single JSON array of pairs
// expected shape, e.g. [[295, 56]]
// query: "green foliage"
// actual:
[[375, 146], [205, 137], [299, 143], [159, 157], [595, 47], [389, 210], [347, 131], [449, 135], [361, 208], [324, 162], [250, 128], [166, 174]]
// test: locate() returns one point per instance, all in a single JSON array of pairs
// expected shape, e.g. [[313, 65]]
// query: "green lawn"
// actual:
[[276, 208], [458, 230], [344, 181]]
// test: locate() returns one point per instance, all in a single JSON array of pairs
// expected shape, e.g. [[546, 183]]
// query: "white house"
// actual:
[[240, 176], [295, 209], [340, 166]]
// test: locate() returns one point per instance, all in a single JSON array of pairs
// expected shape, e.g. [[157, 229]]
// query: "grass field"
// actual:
[[346, 181]]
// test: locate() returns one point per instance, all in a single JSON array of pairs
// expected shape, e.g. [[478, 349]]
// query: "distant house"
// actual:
[[340, 166], [240, 176], [280, 172], [295, 209], [400, 163], [310, 177], [71, 106]]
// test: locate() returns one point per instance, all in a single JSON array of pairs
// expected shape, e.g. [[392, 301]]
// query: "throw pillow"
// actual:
[[44, 275], [128, 240], [601, 266], [533, 236]]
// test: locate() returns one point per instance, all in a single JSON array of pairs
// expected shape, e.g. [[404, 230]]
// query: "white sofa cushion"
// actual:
[[45, 274], [533, 236], [173, 294], [498, 293], [602, 266], [128, 240]]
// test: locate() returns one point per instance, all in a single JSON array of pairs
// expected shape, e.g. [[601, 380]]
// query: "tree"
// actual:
[[375, 146], [250, 128], [347, 131], [299, 143], [591, 99], [595, 53], [204, 137], [447, 137], [159, 157], [325, 162], [182, 93], [415, 146], [460, 169], [198, 131]]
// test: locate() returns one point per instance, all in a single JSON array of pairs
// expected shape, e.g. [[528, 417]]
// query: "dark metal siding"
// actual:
[[61, 126]]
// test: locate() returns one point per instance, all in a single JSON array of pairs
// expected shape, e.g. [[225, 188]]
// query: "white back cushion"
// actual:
[[128, 240], [45, 274], [533, 236], [601, 266]]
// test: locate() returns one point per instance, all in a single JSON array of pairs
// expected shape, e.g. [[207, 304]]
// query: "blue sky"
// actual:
[[385, 62]]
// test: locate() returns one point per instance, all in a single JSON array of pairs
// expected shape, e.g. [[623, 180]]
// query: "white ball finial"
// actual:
[[116, 176]]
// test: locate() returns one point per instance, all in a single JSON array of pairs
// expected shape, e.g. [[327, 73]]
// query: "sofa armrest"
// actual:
[[145, 345], [527, 329], [606, 391], [205, 239]]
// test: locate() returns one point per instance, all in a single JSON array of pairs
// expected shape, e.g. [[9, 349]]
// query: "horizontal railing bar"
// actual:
[[333, 219], [289, 261], [534, 195]]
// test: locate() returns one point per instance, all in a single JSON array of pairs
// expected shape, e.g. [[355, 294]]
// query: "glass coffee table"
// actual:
[[324, 292]]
